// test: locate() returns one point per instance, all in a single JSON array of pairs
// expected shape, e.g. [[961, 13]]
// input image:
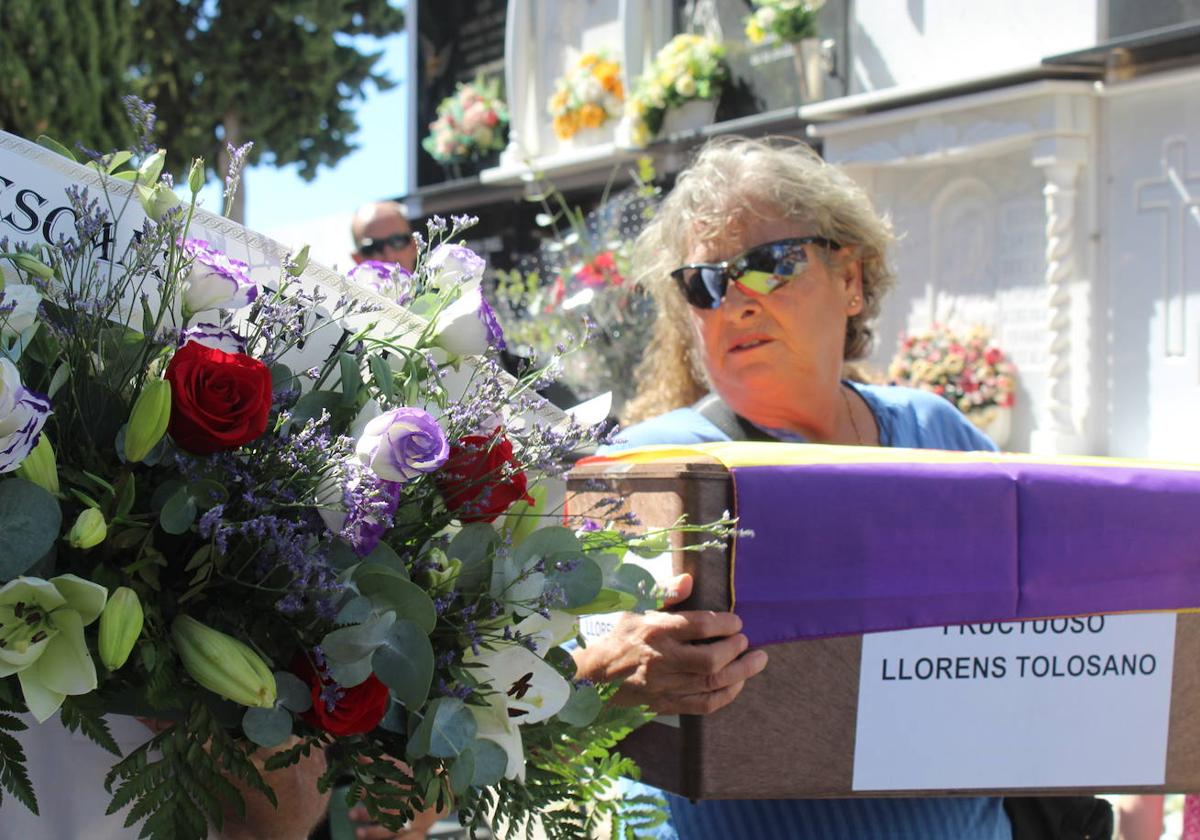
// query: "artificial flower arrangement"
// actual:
[[575, 292], [688, 67], [970, 371], [355, 557], [470, 124], [587, 96], [787, 20]]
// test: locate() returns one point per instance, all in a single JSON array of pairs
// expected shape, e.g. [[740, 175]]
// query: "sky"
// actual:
[[279, 199]]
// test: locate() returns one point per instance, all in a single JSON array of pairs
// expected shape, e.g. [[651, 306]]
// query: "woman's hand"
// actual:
[[675, 663]]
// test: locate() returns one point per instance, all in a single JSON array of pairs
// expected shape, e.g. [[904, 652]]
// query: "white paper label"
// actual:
[[1036, 704]]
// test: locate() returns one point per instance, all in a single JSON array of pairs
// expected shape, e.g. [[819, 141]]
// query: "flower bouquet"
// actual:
[[575, 294], [355, 558], [590, 94], [787, 20], [970, 371], [687, 68], [470, 124]]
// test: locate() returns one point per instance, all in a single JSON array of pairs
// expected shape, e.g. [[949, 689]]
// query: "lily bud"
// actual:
[[32, 264], [445, 574], [41, 466], [120, 626], [148, 420], [152, 167], [222, 664], [89, 529], [196, 176]]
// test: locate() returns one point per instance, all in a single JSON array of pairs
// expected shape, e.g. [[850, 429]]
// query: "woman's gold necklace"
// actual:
[[850, 411]]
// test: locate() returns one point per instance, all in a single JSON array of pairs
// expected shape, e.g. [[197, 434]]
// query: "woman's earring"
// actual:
[[854, 301]]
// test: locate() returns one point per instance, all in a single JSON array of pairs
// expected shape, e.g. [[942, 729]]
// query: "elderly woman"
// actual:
[[768, 266]]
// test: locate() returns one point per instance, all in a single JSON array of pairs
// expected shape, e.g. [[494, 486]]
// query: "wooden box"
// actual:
[[792, 732]]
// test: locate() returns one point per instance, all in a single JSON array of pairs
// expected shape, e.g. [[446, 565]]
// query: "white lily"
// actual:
[[41, 638]]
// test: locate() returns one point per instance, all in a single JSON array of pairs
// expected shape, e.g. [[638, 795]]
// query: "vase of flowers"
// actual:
[[470, 125], [689, 69], [589, 97], [793, 22], [967, 369]]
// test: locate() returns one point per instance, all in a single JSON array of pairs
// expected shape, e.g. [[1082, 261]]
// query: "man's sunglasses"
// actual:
[[398, 241], [761, 270]]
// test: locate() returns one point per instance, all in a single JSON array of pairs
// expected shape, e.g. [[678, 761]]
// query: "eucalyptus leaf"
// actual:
[[350, 674], [386, 556], [548, 543], [207, 493], [389, 591], [267, 727], [292, 692], [491, 762], [581, 580], [447, 729], [395, 719], [30, 519], [582, 706], [636, 581], [462, 771], [608, 600], [178, 513], [350, 644], [61, 374], [355, 611], [341, 555], [404, 663], [474, 546]]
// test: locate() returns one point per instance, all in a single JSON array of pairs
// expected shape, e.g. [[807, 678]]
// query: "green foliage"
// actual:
[[279, 73], [78, 715], [190, 784], [29, 522], [13, 775], [63, 68]]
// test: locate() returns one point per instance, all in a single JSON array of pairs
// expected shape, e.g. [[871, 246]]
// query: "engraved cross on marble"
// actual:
[[1176, 194]]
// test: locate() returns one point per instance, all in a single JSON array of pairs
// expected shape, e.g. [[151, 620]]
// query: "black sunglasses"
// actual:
[[761, 270], [398, 241]]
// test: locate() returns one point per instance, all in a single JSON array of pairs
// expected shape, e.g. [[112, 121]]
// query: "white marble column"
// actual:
[[1057, 427]]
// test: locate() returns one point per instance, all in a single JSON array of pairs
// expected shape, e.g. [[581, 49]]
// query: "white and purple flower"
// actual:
[[391, 280], [214, 336], [402, 444], [365, 513], [468, 326], [22, 415], [216, 280], [450, 265]]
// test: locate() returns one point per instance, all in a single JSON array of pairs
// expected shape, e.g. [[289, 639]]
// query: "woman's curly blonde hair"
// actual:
[[774, 178]]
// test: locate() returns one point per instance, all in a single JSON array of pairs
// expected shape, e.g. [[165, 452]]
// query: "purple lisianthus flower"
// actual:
[[453, 264], [468, 325], [402, 444], [216, 280], [214, 336], [391, 280], [22, 416]]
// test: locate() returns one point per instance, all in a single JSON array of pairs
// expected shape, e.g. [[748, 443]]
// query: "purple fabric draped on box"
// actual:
[[854, 548]]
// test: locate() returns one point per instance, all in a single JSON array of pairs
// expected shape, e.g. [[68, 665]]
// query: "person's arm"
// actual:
[[1140, 817], [300, 805], [657, 658]]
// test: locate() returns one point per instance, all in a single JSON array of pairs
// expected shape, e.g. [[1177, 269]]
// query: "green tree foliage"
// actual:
[[282, 73], [63, 66]]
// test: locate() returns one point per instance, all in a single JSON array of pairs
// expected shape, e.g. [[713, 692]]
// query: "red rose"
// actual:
[[357, 710], [481, 478], [219, 400]]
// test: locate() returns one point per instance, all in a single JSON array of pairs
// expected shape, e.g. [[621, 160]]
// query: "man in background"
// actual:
[[381, 232]]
